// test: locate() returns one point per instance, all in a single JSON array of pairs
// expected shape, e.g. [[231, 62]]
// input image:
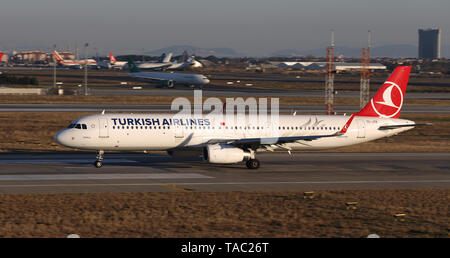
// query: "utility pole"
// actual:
[[365, 74], [329, 78], [54, 67], [85, 69]]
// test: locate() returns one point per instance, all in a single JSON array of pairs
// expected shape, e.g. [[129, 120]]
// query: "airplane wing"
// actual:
[[146, 77], [256, 142]]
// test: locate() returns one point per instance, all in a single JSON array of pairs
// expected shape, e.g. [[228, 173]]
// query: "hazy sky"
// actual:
[[254, 27]]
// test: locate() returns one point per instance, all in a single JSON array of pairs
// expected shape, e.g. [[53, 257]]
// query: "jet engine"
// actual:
[[168, 83], [224, 154]]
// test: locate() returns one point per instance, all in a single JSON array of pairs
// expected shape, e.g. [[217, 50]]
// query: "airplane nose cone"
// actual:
[[206, 81], [63, 138]]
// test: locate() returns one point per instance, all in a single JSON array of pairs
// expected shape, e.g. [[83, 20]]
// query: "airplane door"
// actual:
[[361, 129], [179, 133], [103, 128]]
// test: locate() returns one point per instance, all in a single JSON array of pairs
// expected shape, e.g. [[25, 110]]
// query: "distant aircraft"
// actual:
[[189, 63], [168, 79], [164, 63], [112, 64], [116, 64], [233, 142], [78, 64]]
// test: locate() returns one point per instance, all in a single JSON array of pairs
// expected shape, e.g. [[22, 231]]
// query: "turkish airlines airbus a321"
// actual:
[[227, 143]]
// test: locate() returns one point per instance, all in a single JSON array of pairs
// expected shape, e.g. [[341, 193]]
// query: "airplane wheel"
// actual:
[[98, 164], [253, 164]]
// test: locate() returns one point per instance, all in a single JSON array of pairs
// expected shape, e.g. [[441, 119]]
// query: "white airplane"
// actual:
[[227, 143], [166, 64], [189, 63], [72, 63], [113, 63], [163, 62], [168, 79]]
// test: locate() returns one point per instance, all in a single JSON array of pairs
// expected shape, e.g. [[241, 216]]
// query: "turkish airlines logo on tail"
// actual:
[[112, 59], [390, 102]]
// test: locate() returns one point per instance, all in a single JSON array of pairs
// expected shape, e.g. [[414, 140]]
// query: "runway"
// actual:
[[152, 108], [73, 172], [243, 91]]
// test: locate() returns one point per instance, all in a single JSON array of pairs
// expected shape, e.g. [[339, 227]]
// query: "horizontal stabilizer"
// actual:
[[390, 127]]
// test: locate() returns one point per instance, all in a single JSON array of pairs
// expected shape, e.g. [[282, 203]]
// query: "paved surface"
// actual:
[[166, 108], [72, 172], [243, 91]]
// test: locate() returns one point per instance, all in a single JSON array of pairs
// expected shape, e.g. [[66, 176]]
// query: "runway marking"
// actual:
[[98, 176], [174, 187], [81, 161], [231, 183]]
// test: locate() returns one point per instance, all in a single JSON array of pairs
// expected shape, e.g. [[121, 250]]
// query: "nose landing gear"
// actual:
[[98, 163]]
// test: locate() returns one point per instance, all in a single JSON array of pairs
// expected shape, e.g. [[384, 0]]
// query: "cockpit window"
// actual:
[[77, 126]]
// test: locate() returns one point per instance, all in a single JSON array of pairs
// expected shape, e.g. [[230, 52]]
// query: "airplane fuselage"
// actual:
[[136, 132], [177, 78]]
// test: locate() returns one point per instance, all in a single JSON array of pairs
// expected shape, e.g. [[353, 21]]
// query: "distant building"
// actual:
[[30, 57], [33, 57], [429, 43]]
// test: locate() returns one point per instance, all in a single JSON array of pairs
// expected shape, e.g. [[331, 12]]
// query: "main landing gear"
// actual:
[[252, 163], [98, 163]]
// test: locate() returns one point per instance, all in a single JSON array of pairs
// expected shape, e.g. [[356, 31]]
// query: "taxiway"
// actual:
[[73, 172]]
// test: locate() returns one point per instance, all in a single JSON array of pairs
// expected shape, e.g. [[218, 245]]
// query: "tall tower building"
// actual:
[[430, 43]]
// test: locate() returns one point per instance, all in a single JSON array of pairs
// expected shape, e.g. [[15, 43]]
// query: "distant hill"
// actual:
[[395, 51], [204, 52]]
